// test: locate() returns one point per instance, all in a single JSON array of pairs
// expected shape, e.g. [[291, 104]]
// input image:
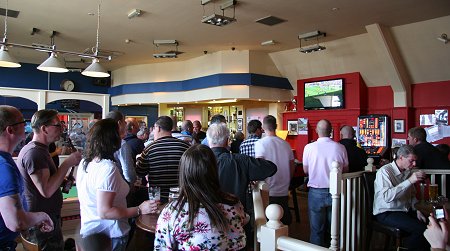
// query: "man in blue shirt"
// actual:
[[13, 215]]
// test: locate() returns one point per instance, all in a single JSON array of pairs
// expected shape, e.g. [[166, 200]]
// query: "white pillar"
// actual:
[[335, 190], [273, 228]]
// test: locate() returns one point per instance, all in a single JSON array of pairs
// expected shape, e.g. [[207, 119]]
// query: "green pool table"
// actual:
[[70, 212]]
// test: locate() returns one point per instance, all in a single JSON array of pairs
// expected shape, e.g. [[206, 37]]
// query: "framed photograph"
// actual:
[[398, 142], [292, 127], [399, 125], [240, 123]]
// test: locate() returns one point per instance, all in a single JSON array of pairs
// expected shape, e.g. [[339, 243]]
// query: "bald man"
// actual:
[[317, 159], [357, 157]]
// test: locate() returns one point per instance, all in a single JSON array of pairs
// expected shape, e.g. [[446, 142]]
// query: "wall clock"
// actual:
[[67, 85]]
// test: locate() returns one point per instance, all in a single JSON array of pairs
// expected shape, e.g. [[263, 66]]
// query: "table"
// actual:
[[147, 222], [426, 208]]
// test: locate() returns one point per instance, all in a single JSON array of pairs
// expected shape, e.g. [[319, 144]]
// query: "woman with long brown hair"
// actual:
[[102, 190], [203, 217]]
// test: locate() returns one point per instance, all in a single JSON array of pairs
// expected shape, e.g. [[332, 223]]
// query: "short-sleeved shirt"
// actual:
[[101, 175], [10, 183], [318, 158], [34, 156], [279, 152], [172, 231], [160, 161]]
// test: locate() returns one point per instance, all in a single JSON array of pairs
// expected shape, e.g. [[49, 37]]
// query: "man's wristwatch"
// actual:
[[139, 211]]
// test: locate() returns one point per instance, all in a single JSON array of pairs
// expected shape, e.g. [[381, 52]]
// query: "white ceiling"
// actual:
[[180, 20]]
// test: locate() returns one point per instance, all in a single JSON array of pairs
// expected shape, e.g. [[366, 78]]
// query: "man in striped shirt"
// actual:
[[254, 129], [160, 160]]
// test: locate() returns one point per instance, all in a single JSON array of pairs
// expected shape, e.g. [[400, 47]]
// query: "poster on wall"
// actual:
[[441, 117], [427, 119], [292, 127], [302, 125]]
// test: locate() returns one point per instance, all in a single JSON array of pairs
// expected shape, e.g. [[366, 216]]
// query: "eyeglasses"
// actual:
[[18, 123], [55, 125]]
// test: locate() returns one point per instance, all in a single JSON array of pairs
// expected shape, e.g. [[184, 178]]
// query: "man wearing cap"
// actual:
[[42, 178]]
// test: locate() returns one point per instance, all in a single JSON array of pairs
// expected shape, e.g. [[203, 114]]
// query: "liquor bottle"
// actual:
[[68, 181]]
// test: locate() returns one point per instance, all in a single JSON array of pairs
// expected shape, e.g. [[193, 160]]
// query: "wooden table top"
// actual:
[[147, 222]]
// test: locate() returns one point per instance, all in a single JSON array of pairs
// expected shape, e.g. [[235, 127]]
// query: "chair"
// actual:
[[295, 183], [29, 246], [373, 225]]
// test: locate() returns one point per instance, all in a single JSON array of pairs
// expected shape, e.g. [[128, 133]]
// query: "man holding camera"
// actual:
[[394, 198]]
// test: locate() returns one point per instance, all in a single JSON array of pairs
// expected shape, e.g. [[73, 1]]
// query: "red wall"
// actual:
[[360, 100]]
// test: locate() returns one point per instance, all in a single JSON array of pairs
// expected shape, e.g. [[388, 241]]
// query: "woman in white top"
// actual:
[[101, 189], [203, 217]]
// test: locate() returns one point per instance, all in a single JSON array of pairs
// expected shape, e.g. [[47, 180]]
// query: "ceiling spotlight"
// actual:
[[165, 55], [218, 20], [309, 36], [443, 38], [134, 13], [312, 48], [268, 42]]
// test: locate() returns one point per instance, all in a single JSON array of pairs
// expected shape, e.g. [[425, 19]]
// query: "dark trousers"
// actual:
[[283, 202], [408, 223], [8, 246]]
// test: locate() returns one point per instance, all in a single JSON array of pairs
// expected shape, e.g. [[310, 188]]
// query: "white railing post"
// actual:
[[370, 167], [258, 210], [335, 191], [273, 228]]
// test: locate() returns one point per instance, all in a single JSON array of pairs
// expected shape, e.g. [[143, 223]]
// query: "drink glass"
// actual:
[[154, 193], [433, 192]]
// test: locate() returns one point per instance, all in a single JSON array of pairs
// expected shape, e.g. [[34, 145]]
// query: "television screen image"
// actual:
[[326, 94]]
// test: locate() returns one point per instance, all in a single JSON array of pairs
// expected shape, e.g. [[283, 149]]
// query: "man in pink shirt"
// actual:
[[317, 159]]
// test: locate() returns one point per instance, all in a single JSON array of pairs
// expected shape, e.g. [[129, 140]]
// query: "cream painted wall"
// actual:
[[260, 62], [209, 64], [193, 114], [256, 113], [426, 58]]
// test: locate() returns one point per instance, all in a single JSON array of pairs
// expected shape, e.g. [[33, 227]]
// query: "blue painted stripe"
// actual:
[[215, 80]]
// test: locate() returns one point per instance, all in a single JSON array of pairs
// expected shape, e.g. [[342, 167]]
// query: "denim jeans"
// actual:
[[119, 243], [319, 210], [408, 223]]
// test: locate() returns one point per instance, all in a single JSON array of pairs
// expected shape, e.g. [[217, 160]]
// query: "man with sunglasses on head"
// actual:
[[42, 178], [13, 208]]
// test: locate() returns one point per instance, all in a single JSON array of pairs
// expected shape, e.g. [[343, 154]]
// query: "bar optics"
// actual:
[[53, 63], [314, 35], [220, 20]]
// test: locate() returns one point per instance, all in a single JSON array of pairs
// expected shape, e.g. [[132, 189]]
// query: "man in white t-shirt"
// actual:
[[273, 148]]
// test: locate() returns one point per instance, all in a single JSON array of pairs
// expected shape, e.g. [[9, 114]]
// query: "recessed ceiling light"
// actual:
[[335, 9]]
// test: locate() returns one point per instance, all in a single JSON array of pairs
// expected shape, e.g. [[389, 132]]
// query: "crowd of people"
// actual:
[[214, 176]]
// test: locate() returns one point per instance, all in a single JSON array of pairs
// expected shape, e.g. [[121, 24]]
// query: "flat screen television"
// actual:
[[325, 94]]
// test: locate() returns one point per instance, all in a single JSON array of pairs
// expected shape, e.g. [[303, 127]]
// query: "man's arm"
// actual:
[[46, 184], [127, 163], [142, 165], [387, 189], [16, 219], [259, 168]]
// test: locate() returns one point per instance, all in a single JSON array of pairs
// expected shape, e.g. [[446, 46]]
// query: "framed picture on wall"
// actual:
[[292, 127], [399, 125], [240, 123]]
